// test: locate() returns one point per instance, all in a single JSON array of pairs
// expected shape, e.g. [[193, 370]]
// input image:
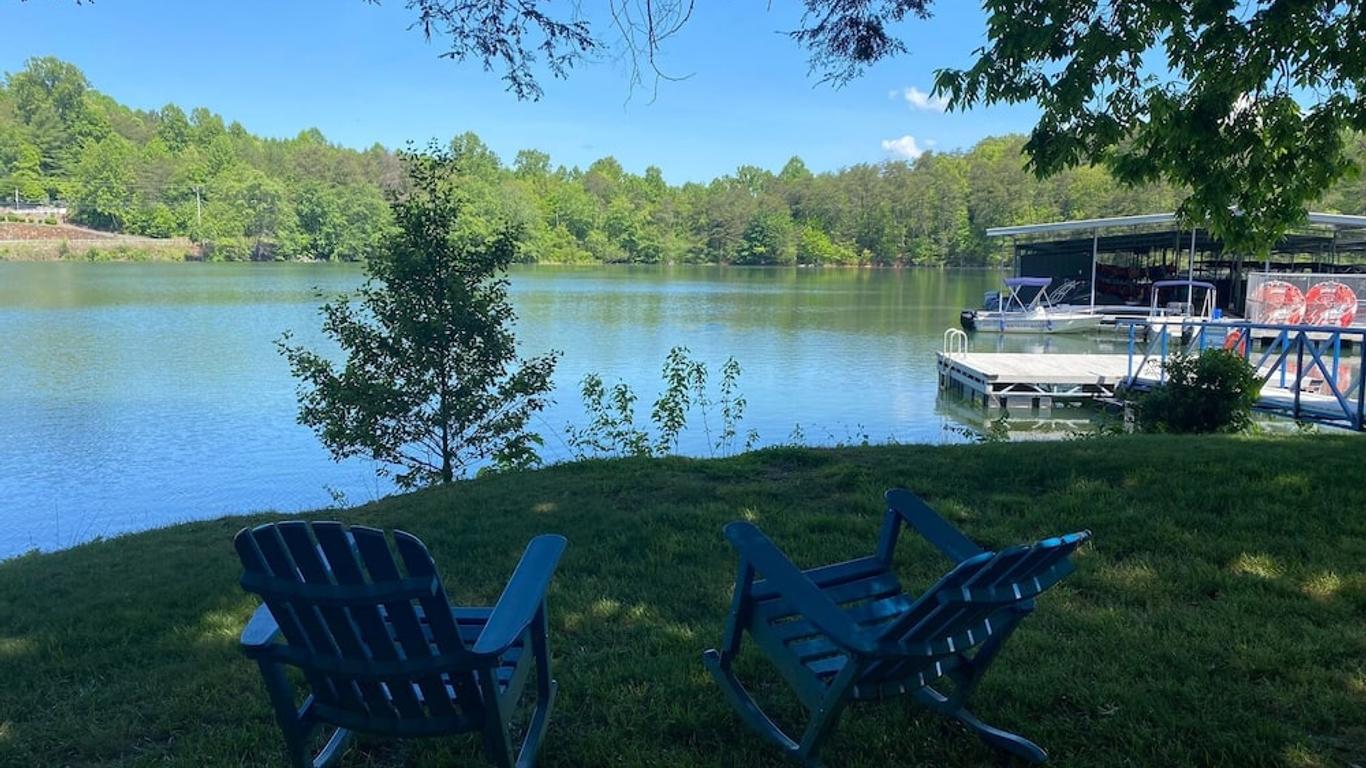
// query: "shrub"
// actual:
[[1210, 392], [611, 429]]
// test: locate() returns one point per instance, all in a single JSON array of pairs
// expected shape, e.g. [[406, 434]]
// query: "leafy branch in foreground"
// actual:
[[1246, 105], [431, 381], [611, 429]]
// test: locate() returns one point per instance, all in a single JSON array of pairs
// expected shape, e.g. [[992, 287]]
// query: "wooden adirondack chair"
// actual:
[[849, 632], [384, 652]]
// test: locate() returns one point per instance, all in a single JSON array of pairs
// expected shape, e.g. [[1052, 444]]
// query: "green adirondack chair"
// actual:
[[383, 651], [848, 632]]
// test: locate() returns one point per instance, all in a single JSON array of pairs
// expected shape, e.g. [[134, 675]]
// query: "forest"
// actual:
[[168, 173]]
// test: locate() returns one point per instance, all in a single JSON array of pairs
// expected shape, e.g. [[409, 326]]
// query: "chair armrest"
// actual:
[[798, 590], [522, 597], [260, 632], [931, 526]]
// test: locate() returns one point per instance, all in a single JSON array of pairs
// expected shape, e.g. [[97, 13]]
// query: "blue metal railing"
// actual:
[[1151, 345]]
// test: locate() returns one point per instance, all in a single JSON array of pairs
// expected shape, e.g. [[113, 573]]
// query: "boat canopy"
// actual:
[[1180, 283], [1020, 282]]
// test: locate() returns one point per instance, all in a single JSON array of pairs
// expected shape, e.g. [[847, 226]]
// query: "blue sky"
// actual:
[[357, 73]]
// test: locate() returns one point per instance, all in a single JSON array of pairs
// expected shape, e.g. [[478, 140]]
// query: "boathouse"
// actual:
[[1113, 262]]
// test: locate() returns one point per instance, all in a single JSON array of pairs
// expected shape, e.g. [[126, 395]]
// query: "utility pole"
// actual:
[[198, 210]]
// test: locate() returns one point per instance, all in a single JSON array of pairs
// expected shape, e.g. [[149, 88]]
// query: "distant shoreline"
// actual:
[[77, 252]]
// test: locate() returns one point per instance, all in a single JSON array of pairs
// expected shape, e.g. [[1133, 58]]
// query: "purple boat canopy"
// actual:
[[1182, 283], [1020, 282]]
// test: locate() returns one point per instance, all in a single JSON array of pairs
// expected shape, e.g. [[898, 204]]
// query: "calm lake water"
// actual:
[[137, 395]]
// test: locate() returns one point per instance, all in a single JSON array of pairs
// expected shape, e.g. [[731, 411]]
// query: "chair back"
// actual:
[[379, 646], [956, 613]]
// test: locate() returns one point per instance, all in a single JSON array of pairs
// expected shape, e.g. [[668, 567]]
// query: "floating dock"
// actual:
[[1025, 380], [1039, 381]]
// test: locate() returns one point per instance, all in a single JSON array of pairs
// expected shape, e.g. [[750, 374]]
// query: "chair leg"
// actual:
[[827, 713], [295, 728], [995, 737], [1005, 741], [333, 749], [719, 664], [546, 688], [497, 740], [966, 678]]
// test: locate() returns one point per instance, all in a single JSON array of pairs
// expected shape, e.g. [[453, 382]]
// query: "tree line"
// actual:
[[167, 173]]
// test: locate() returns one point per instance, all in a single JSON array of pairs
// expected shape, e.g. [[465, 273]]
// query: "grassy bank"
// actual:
[[98, 250], [1218, 618]]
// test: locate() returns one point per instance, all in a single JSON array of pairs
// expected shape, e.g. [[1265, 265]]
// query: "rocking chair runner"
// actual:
[[386, 653], [848, 631]]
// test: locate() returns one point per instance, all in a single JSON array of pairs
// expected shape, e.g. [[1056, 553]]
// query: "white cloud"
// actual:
[[923, 101], [904, 147]]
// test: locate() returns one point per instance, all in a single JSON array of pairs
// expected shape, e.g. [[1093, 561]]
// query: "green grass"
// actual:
[[1219, 616]]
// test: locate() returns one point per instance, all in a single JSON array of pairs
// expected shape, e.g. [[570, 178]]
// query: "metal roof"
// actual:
[[1334, 220]]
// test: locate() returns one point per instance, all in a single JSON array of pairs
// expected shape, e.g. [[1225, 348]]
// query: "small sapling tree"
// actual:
[[430, 382]]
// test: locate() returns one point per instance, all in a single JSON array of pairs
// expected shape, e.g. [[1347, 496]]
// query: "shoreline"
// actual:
[[127, 254]]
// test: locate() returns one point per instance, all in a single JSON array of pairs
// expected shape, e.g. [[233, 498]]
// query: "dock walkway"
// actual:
[[1015, 380], [1039, 381]]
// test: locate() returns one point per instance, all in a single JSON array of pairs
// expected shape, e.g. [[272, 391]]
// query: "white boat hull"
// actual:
[[1036, 322]]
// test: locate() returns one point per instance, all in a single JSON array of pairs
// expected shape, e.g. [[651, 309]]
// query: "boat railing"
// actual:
[[1300, 359]]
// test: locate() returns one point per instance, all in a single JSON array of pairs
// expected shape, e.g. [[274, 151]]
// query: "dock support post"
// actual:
[[1190, 277], [1095, 256], [1299, 370], [1130, 379], [1361, 387], [1337, 357]]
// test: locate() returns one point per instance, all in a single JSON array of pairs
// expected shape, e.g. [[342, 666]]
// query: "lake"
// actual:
[[137, 395]]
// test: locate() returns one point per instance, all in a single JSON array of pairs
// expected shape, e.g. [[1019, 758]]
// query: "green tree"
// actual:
[[767, 239], [26, 173], [104, 182], [431, 383], [815, 247], [173, 127]]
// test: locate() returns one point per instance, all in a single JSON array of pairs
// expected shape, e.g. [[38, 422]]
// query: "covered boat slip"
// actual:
[[1115, 261]]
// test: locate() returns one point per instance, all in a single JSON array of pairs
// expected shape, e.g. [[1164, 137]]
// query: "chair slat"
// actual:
[[869, 614], [379, 562], [341, 555], [307, 623], [828, 576], [926, 607], [368, 697], [437, 613], [872, 587]]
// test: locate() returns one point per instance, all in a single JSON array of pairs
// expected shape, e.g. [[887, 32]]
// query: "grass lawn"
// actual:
[[1218, 618]]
